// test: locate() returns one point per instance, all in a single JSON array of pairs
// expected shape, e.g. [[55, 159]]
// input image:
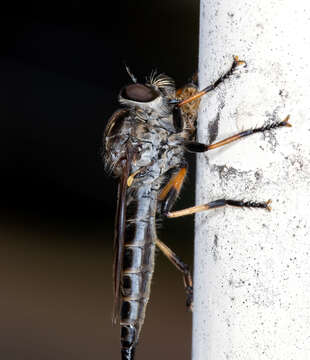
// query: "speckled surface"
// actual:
[[252, 267]]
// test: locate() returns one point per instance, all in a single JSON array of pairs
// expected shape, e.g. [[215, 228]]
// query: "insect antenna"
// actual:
[[132, 77]]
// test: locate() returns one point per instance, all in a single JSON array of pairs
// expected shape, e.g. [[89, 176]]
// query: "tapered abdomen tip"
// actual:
[[128, 353]]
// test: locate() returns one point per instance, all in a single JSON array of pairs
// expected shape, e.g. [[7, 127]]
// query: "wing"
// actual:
[[119, 235]]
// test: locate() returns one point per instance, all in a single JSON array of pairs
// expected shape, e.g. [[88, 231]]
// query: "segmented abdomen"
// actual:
[[138, 265]]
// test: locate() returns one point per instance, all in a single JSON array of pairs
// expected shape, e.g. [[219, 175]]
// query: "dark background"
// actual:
[[62, 65]]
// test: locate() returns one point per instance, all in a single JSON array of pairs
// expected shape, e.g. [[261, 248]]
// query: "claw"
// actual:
[[239, 62], [268, 207], [286, 121]]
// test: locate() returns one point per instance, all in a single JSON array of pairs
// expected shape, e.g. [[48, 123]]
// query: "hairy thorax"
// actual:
[[155, 147]]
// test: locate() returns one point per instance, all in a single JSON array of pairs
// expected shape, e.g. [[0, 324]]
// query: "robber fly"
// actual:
[[144, 147]]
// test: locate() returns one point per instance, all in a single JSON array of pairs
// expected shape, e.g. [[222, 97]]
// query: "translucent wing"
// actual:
[[119, 235]]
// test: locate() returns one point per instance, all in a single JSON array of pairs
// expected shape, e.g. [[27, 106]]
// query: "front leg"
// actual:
[[197, 95]]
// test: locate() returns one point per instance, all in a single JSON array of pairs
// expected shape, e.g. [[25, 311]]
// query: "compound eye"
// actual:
[[139, 93]]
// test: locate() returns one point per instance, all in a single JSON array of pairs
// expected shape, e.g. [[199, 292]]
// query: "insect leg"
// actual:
[[211, 87], [193, 146], [220, 203], [181, 266], [170, 191]]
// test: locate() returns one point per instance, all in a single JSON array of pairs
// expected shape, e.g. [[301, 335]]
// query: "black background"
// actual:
[[61, 67]]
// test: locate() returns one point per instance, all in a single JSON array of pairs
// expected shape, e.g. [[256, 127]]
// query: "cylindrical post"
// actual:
[[252, 267]]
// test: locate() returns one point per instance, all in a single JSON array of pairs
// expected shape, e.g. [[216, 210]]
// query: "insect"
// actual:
[[144, 148]]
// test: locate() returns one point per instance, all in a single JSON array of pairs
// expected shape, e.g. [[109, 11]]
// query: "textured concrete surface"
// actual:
[[252, 268]]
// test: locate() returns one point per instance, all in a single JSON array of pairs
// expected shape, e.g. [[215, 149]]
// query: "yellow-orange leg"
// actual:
[[170, 191], [207, 89], [219, 203], [193, 146], [181, 266]]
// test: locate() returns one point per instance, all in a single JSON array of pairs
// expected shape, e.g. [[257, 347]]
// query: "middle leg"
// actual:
[[193, 146]]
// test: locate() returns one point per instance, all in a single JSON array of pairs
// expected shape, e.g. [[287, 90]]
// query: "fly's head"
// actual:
[[152, 97]]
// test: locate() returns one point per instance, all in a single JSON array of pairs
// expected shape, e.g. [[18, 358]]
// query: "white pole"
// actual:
[[252, 267]]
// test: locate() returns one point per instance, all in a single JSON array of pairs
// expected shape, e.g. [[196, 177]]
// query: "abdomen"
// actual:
[[138, 266]]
